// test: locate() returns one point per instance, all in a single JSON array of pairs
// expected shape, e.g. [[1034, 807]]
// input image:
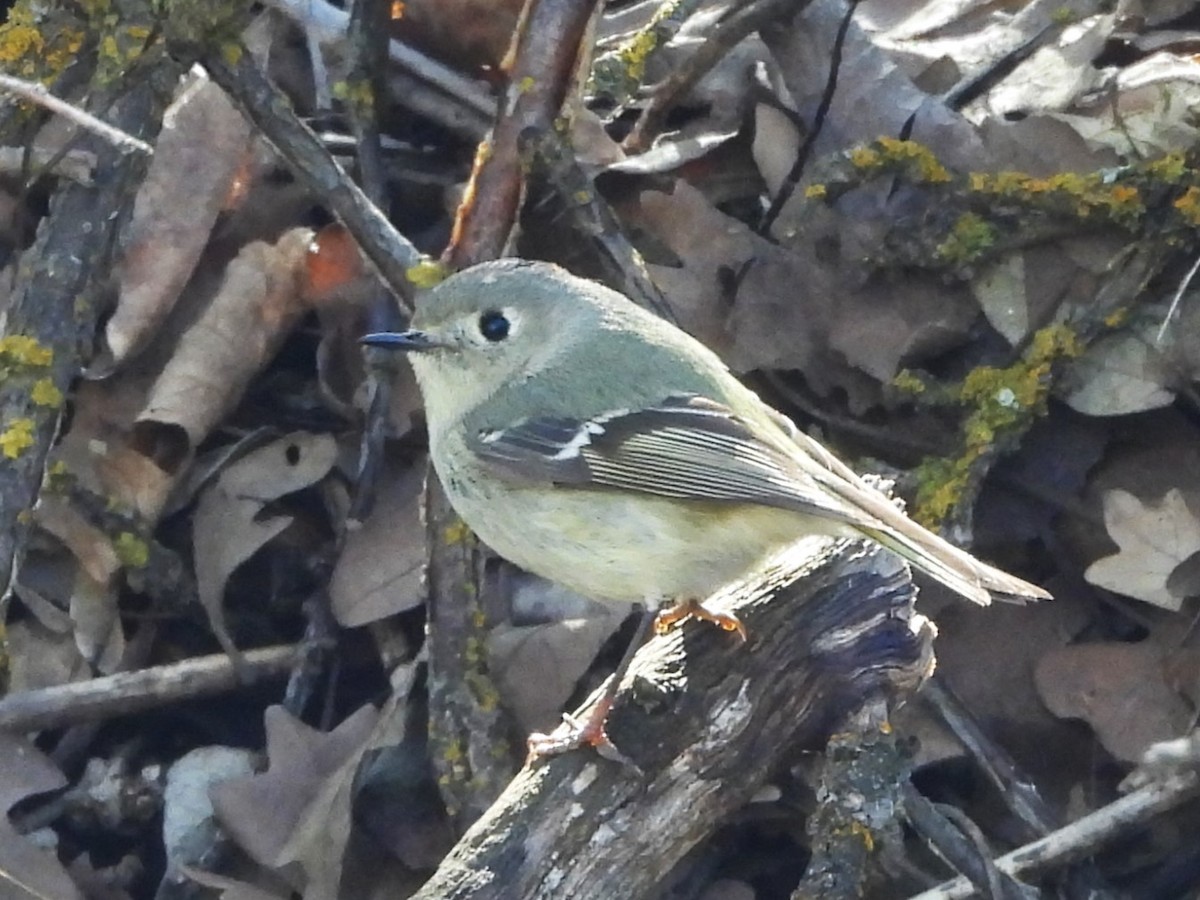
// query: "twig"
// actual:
[[1175, 299], [392, 254], [37, 93], [707, 719], [471, 107], [788, 187], [1018, 792], [726, 35], [368, 45], [545, 56], [549, 155], [55, 306], [130, 692], [1083, 836], [962, 848]]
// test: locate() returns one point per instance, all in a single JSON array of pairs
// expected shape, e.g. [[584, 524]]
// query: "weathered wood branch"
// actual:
[[707, 720]]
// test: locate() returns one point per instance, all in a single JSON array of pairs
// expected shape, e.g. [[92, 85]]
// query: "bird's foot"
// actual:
[[574, 733], [694, 609]]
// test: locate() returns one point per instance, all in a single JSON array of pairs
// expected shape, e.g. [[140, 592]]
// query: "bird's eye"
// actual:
[[493, 326]]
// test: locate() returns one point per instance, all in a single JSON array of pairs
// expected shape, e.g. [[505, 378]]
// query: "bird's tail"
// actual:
[[952, 566]]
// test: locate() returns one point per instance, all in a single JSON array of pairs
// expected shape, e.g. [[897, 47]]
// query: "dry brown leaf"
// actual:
[[538, 667], [760, 305], [1055, 76], [39, 657], [232, 888], [989, 660], [97, 618], [90, 545], [203, 143], [468, 34], [1150, 108], [93, 592], [27, 870], [1000, 289], [1155, 538], [296, 816], [1122, 373], [227, 528], [263, 812], [254, 310], [382, 566], [1118, 689]]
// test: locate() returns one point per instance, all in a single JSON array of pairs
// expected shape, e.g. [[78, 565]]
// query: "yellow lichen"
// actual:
[[21, 349], [426, 273], [358, 95], [1189, 206], [970, 237], [1002, 402], [16, 438], [816, 192], [456, 532], [865, 158], [131, 550], [1169, 169], [906, 381], [45, 393], [926, 165]]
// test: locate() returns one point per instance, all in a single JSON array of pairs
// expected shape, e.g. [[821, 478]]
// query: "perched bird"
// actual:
[[593, 443]]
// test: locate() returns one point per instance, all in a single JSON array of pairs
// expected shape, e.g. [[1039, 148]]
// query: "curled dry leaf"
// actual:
[[1118, 689], [203, 144], [227, 528], [1155, 539], [381, 568], [254, 310], [27, 870], [538, 667]]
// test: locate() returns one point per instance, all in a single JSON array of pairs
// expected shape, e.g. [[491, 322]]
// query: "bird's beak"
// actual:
[[408, 341]]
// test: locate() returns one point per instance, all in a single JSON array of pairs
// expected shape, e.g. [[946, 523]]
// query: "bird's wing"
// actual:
[[686, 447]]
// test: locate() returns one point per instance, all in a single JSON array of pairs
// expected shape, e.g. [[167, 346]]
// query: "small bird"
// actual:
[[591, 442]]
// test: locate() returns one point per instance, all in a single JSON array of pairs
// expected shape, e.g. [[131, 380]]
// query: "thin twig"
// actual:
[[37, 93], [264, 105], [330, 24], [129, 692], [788, 187], [1175, 299], [1082, 837], [728, 33]]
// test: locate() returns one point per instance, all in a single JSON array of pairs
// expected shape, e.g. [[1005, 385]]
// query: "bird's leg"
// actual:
[[692, 608], [589, 730]]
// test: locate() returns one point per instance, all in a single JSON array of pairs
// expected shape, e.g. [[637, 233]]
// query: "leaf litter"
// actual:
[[226, 327]]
